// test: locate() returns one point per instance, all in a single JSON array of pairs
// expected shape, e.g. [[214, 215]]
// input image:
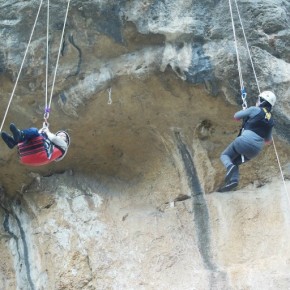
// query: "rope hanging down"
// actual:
[[243, 92], [47, 53], [243, 89], [21, 67], [247, 46], [47, 106]]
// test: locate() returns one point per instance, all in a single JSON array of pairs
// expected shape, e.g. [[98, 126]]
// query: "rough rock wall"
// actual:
[[128, 207], [81, 233]]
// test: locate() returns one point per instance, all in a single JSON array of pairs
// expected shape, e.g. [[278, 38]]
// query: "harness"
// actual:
[[260, 124], [36, 145]]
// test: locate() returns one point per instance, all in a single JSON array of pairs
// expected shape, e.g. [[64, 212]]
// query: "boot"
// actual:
[[17, 134], [231, 169], [10, 142], [229, 186]]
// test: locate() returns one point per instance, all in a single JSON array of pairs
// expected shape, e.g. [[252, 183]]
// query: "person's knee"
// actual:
[[222, 157]]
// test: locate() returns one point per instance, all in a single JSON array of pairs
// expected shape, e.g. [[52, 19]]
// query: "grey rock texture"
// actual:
[[147, 90]]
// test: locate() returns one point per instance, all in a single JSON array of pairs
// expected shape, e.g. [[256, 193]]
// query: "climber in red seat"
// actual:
[[37, 147]]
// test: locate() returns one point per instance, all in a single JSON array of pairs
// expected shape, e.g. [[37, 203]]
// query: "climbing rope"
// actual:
[[21, 67], [47, 108], [47, 104], [256, 79], [47, 56], [247, 46], [243, 90], [281, 171]]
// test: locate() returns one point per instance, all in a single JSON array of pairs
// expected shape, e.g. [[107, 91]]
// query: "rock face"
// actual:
[[147, 90]]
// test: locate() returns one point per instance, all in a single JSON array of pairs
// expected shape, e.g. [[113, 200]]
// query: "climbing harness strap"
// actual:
[[268, 115], [36, 145], [32, 146]]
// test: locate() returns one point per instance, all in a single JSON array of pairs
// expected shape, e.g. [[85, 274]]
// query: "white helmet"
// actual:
[[269, 97], [67, 140]]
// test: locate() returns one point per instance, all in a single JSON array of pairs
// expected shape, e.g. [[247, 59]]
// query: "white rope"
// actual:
[[243, 90], [254, 71], [281, 171], [21, 67], [247, 45], [236, 46], [57, 61], [47, 48]]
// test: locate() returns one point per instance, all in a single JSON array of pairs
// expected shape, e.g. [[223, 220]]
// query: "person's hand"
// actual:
[[44, 130]]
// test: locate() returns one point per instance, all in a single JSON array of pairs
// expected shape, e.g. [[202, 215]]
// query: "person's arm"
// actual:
[[268, 138], [244, 113], [58, 141]]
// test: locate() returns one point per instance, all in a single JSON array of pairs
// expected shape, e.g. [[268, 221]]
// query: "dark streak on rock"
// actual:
[[16, 238], [217, 279], [200, 210], [63, 46], [7, 230], [71, 40], [63, 97], [25, 252]]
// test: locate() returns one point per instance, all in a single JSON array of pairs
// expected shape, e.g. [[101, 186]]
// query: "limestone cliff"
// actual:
[[147, 90]]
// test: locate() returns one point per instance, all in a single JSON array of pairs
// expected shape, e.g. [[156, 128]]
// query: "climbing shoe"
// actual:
[[230, 171], [10, 142], [17, 134], [229, 186]]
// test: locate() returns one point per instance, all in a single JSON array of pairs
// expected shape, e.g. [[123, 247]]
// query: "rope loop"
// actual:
[[46, 113], [45, 124], [244, 98]]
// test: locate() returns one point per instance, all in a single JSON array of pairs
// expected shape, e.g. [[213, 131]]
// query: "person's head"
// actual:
[[63, 135], [267, 99]]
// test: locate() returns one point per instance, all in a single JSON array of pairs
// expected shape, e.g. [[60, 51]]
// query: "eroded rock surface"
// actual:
[[147, 91]]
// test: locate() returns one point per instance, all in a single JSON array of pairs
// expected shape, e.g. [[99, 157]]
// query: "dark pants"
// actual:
[[29, 133], [19, 136], [232, 156]]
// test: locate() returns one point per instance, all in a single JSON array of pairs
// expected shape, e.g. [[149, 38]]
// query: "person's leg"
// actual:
[[23, 135], [227, 157], [233, 181], [238, 161], [229, 154], [10, 142], [30, 133]]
